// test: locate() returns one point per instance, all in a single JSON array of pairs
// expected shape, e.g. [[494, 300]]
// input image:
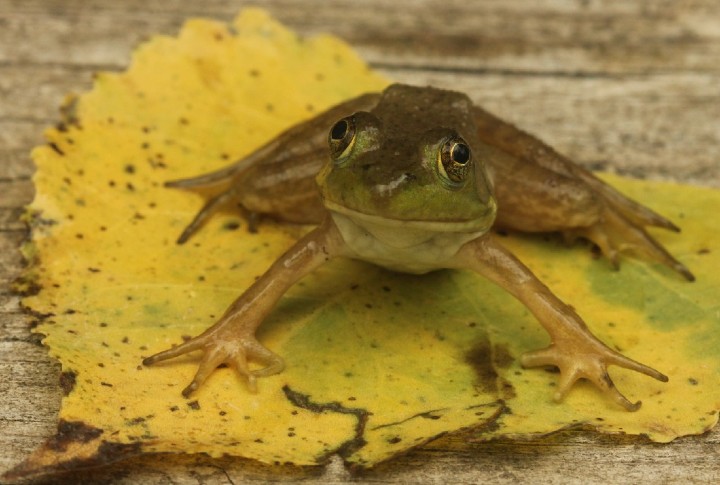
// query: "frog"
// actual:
[[418, 179]]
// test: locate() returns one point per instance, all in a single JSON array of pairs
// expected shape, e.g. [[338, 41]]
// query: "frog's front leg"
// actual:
[[232, 339], [573, 349]]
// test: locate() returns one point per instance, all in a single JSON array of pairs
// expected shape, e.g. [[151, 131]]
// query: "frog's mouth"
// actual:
[[479, 224]]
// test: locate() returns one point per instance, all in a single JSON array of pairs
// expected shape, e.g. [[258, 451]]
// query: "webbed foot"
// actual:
[[232, 339], [588, 359], [614, 233], [219, 347]]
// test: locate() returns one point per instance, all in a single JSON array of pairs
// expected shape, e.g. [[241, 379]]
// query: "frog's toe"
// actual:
[[630, 209], [274, 364], [590, 364], [212, 359], [235, 352], [210, 208], [184, 348], [599, 237], [601, 379], [613, 233]]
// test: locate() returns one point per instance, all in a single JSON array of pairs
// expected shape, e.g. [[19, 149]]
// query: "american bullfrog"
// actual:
[[413, 179]]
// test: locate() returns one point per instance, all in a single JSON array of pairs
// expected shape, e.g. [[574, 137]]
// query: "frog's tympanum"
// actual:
[[413, 179]]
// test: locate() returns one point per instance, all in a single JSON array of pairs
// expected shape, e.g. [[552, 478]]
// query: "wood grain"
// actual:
[[628, 86]]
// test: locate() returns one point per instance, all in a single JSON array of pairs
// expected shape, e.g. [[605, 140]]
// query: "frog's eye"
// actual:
[[341, 137], [454, 161]]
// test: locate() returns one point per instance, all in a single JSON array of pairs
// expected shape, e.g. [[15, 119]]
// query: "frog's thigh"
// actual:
[[534, 199]]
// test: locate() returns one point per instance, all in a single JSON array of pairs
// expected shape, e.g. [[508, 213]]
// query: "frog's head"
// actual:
[[413, 158]]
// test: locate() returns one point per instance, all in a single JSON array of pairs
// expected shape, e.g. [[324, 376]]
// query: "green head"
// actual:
[[412, 158]]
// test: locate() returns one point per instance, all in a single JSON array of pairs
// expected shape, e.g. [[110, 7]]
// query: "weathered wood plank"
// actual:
[[602, 37], [34, 91], [629, 86]]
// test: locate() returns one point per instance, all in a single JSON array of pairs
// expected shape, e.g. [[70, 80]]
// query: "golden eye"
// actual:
[[341, 137], [454, 161]]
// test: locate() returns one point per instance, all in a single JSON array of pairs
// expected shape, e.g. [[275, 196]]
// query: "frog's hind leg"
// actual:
[[278, 178], [223, 176], [532, 198], [227, 186], [222, 185], [539, 190], [635, 212], [210, 207]]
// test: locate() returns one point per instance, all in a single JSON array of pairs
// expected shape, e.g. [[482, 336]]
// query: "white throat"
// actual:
[[406, 246]]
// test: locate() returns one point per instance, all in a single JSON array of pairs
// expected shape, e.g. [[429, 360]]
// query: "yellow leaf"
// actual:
[[370, 373]]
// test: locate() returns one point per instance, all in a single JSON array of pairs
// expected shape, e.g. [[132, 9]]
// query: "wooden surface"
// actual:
[[630, 86]]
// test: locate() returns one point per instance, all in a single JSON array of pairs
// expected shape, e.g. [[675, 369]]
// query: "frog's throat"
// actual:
[[479, 224], [409, 246]]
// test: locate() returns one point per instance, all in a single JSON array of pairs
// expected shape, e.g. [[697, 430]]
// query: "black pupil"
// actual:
[[339, 131], [461, 153]]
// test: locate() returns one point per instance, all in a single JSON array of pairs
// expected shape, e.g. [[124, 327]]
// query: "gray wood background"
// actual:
[[628, 86]]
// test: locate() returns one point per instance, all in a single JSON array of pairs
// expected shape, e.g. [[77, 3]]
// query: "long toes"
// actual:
[[184, 348], [656, 251], [593, 368], [632, 210], [682, 269], [616, 396], [600, 238], [274, 363], [567, 379], [603, 382], [615, 231], [204, 214], [211, 360], [239, 362], [539, 358], [600, 378], [637, 239], [627, 363]]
